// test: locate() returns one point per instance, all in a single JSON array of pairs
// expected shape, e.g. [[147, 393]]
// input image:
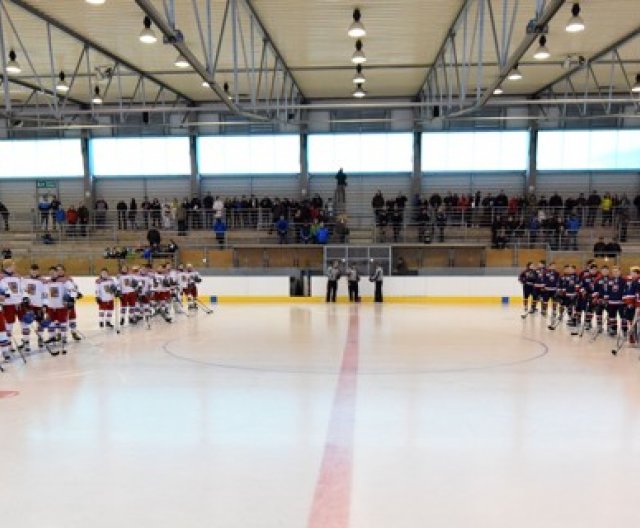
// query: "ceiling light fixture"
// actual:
[[147, 35], [636, 87], [181, 62], [542, 53], [61, 85], [97, 99], [515, 74], [13, 66], [498, 91], [359, 77], [356, 29], [358, 56], [205, 84], [95, 2], [359, 92], [575, 24]]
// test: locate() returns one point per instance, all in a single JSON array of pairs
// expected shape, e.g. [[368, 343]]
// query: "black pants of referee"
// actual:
[[332, 290], [354, 294], [378, 293]]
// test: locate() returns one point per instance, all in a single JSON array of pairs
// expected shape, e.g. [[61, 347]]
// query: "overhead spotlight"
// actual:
[[181, 62], [61, 85], [498, 91], [97, 99], [147, 35], [359, 92], [542, 53], [515, 74], [636, 87], [95, 2], [13, 66], [356, 29], [205, 84], [575, 24], [226, 91], [359, 77], [358, 55]]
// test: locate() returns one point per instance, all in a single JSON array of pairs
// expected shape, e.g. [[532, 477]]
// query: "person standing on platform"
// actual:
[[377, 278], [353, 277], [333, 275], [341, 188]]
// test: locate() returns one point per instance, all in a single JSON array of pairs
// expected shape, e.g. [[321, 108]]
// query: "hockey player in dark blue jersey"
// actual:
[[538, 285], [551, 280], [528, 279], [612, 293]]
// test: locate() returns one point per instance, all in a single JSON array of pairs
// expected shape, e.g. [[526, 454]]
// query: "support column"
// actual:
[[416, 177], [532, 169], [88, 188], [194, 182], [304, 164]]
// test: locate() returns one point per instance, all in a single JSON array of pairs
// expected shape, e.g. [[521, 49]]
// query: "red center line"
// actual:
[[332, 497]]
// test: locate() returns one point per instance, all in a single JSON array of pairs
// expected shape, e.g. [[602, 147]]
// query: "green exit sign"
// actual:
[[45, 184]]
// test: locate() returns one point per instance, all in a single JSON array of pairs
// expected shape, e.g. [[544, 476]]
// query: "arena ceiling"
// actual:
[[263, 58]]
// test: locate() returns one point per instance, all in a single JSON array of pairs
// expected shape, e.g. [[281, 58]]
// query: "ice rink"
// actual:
[[332, 416]]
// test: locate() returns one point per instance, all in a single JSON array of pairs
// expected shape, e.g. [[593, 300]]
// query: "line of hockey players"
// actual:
[[44, 303], [586, 298]]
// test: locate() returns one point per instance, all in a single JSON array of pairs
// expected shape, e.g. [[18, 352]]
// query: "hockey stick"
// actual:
[[116, 313], [622, 337], [209, 311], [19, 349], [554, 324]]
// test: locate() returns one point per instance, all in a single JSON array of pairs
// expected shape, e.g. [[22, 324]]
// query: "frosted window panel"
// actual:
[[360, 153], [475, 151], [41, 158], [550, 150], [162, 156], [576, 152], [603, 148], [628, 155], [274, 154]]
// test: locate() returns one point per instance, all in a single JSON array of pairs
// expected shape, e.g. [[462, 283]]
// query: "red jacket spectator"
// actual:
[[72, 216]]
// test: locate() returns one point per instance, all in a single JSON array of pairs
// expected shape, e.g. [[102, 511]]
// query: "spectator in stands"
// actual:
[[328, 209], [156, 213], [196, 208], [47, 238], [101, 208], [44, 207], [377, 203], [6, 253], [305, 233], [146, 209], [282, 228], [166, 214], [341, 187], [133, 214], [435, 201], [59, 218], [154, 239], [441, 222], [55, 207], [613, 249], [636, 202], [600, 248], [218, 208], [572, 228], [593, 204], [207, 205], [501, 202], [396, 223], [607, 209], [322, 235], [181, 219], [83, 219], [555, 202], [220, 229], [72, 220], [424, 229], [623, 222], [401, 201], [121, 207], [341, 229], [4, 213]]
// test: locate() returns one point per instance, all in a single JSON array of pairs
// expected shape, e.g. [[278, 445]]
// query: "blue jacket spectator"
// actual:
[[572, 226], [282, 227], [220, 229], [322, 236]]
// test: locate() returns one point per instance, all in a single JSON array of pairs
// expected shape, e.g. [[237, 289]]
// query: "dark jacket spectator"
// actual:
[[153, 237], [613, 249], [4, 213], [600, 248], [220, 229]]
